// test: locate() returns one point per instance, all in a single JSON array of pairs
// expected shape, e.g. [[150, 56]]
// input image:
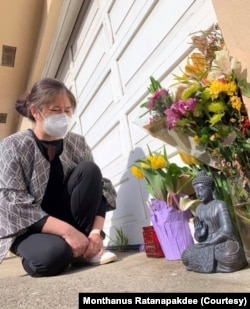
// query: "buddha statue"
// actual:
[[217, 248]]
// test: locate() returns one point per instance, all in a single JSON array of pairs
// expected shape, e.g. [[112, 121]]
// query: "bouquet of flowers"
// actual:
[[207, 105], [168, 183], [165, 181], [206, 108]]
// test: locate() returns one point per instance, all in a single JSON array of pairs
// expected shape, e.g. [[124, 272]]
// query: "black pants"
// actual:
[[49, 255]]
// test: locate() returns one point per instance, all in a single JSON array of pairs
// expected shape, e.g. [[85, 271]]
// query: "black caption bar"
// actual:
[[168, 300]]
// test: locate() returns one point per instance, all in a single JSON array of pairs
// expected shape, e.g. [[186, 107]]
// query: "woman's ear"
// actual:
[[34, 112]]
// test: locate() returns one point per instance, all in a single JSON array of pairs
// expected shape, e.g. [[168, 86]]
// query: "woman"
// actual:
[[218, 249], [53, 198]]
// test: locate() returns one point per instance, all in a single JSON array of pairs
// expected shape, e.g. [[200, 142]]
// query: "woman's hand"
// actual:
[[95, 246], [78, 242], [75, 239]]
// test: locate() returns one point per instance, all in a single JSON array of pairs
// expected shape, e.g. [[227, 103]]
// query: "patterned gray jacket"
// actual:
[[24, 173]]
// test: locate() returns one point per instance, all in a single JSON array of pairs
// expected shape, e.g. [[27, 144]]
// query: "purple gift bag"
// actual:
[[171, 227]]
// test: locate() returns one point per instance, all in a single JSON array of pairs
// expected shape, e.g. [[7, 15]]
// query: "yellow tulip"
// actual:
[[137, 172], [157, 162], [187, 159]]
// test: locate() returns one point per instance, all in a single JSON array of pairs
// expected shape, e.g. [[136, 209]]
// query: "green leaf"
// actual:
[[186, 203], [149, 151], [245, 87], [155, 85], [156, 183]]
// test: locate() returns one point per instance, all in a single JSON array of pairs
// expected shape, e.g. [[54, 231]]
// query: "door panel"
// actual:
[[117, 46]]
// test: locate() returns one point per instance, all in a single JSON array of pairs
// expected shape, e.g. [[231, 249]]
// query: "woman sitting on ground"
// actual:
[[53, 197]]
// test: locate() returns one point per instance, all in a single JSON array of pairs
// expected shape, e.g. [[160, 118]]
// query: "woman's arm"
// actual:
[[76, 240], [95, 239]]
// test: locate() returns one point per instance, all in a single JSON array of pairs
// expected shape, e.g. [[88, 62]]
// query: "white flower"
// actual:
[[222, 62], [223, 65]]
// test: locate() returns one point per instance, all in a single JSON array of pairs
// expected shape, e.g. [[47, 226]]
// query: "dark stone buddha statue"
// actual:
[[217, 248]]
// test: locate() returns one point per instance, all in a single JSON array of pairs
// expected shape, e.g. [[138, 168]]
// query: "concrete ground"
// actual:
[[134, 272]]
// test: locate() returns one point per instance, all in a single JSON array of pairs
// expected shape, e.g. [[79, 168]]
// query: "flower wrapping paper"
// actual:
[[172, 228], [185, 143]]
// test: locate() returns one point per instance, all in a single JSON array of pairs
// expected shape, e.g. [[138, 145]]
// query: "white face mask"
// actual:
[[56, 125]]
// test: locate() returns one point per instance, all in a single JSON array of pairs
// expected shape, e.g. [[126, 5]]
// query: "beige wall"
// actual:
[[29, 25]]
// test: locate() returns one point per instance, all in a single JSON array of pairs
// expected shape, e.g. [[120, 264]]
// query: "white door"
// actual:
[[116, 46]]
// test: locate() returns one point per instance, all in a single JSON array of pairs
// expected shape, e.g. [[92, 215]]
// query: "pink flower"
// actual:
[[159, 95], [178, 110], [172, 117]]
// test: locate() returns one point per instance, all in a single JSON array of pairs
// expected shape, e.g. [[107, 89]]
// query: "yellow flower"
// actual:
[[157, 162], [137, 172], [216, 88], [187, 159], [161, 176], [144, 165], [231, 88], [196, 66], [236, 102]]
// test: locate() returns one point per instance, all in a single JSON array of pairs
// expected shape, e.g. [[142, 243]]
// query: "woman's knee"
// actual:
[[87, 173], [50, 260], [89, 168]]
